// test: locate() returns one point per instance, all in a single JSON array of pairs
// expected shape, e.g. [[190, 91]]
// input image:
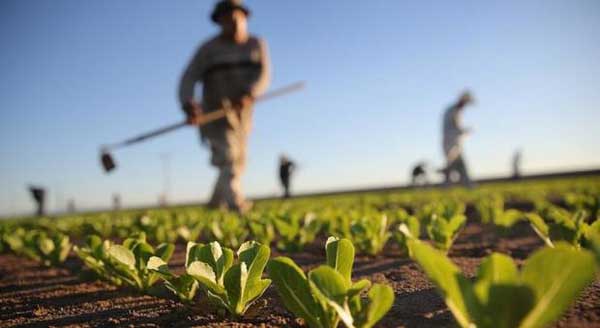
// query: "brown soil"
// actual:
[[35, 296]]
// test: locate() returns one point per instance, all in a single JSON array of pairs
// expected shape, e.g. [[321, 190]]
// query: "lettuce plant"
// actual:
[[327, 295], [593, 241], [295, 230], [443, 231], [340, 223], [38, 245], [157, 227], [408, 228], [488, 206], [445, 209], [233, 286], [101, 226], [16, 241], [262, 230], [54, 249], [184, 286], [94, 254], [229, 229], [371, 233], [508, 218], [190, 232], [126, 263], [413, 226], [491, 210], [561, 225], [501, 296], [587, 200]]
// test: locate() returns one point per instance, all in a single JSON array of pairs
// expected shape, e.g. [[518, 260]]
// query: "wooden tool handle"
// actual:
[[221, 113], [212, 116], [205, 118]]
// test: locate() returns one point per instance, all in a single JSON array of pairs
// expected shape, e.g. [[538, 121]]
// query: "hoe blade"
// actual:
[[107, 162]]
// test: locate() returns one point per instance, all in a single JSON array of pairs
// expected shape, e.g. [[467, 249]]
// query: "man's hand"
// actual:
[[193, 111], [244, 102]]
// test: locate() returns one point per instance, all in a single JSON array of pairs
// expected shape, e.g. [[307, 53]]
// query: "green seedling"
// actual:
[[48, 248], [295, 231], [237, 286], [371, 233], [444, 231], [327, 295], [501, 296], [560, 225], [491, 210], [126, 263]]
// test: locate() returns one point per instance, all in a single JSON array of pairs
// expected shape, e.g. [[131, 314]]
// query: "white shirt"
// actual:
[[453, 133]]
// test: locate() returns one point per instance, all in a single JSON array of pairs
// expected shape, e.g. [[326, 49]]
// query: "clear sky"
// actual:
[[77, 74]]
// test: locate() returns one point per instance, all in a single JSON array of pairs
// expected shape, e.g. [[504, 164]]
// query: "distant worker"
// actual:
[[71, 206], [234, 70], [39, 196], [419, 174], [454, 134], [516, 164], [286, 167], [162, 200], [116, 201]]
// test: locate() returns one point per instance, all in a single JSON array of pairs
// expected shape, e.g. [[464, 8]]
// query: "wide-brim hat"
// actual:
[[226, 6]]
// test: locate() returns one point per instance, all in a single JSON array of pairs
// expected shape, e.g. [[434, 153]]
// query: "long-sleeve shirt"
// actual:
[[227, 70], [453, 133]]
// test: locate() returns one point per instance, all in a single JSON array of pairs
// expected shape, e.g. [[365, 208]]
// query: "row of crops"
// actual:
[[228, 257]]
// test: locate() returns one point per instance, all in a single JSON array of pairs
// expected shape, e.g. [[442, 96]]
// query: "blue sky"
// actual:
[[77, 74]]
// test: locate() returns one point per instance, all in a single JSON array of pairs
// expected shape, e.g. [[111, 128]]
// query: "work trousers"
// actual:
[[228, 139], [229, 156], [459, 167]]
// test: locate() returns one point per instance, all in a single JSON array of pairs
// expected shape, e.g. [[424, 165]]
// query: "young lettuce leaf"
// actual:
[[443, 231], [126, 263], [184, 286], [234, 286], [503, 297], [560, 225], [327, 295]]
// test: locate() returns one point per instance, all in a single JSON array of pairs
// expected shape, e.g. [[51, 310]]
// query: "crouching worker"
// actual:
[[233, 68], [419, 174]]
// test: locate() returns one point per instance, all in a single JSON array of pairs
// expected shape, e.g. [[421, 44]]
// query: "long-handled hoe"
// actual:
[[109, 164]]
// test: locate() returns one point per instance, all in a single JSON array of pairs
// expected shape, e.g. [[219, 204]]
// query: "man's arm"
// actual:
[[457, 122], [191, 75], [261, 85]]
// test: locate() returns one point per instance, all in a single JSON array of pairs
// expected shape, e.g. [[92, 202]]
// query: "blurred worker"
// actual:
[[233, 68], [454, 134], [162, 200], [71, 206], [39, 196], [116, 201], [516, 164], [419, 174], [286, 167]]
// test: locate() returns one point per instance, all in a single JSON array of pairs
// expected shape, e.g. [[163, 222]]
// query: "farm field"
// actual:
[[42, 286]]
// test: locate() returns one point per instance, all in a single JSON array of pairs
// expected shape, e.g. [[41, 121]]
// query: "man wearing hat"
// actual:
[[454, 134], [234, 69]]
